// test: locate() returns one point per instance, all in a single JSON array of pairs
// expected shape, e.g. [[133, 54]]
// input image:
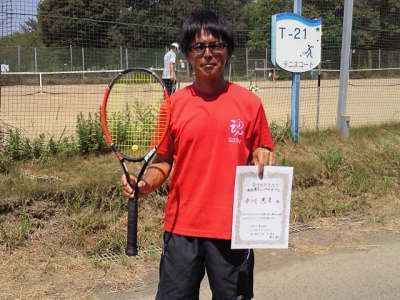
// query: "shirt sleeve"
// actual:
[[172, 58], [165, 144], [261, 132]]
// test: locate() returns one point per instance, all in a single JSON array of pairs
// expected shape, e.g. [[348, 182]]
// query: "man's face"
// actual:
[[208, 62]]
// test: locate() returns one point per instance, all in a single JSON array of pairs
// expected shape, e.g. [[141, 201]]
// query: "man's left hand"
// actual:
[[261, 158]]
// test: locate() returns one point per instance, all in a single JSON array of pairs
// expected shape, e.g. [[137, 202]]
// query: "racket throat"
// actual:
[[146, 160], [150, 155]]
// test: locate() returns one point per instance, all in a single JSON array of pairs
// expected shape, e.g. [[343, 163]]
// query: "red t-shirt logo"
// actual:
[[236, 127]]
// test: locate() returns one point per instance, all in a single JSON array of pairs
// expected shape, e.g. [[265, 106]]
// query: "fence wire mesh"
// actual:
[[57, 56]]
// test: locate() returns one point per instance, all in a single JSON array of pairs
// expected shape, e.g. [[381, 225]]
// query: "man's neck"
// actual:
[[210, 88]]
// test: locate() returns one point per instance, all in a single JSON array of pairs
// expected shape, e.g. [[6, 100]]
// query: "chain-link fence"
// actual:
[[57, 57]]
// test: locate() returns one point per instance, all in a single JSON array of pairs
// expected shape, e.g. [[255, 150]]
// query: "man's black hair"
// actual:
[[218, 26]]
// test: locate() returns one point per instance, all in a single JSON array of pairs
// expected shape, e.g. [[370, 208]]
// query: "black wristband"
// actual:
[[266, 147]]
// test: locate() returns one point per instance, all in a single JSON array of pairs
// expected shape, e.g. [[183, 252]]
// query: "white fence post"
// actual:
[[83, 59], [70, 55], [35, 59], [126, 57]]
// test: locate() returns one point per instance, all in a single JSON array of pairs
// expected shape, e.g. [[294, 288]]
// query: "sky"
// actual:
[[14, 13], [28, 7]]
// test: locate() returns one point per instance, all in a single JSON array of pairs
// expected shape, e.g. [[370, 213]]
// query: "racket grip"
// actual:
[[131, 245]]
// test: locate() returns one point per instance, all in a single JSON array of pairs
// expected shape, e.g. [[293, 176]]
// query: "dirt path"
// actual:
[[329, 259]]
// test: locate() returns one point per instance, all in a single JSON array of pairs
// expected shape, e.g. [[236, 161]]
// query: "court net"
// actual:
[[50, 102]]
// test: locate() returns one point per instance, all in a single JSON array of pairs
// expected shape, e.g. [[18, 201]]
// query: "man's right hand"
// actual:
[[128, 191], [154, 176]]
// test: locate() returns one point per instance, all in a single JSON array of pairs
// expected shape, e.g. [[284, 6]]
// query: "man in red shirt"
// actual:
[[215, 126]]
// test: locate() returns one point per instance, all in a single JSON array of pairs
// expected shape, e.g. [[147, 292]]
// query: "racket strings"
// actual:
[[137, 114]]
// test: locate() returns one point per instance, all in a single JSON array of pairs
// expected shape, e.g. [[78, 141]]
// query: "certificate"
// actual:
[[261, 207]]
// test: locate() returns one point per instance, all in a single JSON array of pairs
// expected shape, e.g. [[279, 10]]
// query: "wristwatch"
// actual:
[[265, 147]]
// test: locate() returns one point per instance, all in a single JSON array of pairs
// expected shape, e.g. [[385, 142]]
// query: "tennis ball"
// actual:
[[135, 147]]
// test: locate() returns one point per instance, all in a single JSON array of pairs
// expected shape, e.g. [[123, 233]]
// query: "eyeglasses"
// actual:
[[215, 48]]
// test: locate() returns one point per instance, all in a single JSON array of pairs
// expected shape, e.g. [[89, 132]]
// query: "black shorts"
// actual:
[[170, 84], [185, 260]]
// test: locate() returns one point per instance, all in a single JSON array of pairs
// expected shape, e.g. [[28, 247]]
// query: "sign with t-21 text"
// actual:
[[296, 42]]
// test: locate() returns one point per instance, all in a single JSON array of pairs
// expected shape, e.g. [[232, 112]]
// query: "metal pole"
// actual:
[[35, 59], [379, 58], [351, 57], [342, 121], [295, 107], [70, 55], [247, 64], [297, 6], [120, 57], [318, 95], [126, 58], [83, 59], [266, 64], [19, 58], [40, 83]]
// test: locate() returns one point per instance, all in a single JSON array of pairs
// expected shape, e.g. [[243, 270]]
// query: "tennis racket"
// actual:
[[135, 115], [173, 86]]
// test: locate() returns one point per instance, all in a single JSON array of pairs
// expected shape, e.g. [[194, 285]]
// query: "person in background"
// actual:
[[215, 126], [169, 76]]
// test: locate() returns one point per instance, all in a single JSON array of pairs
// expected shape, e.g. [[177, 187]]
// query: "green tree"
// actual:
[[29, 36], [155, 23], [83, 23], [331, 13], [128, 23], [389, 24], [257, 17]]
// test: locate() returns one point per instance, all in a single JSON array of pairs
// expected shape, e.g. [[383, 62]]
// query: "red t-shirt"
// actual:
[[209, 139]]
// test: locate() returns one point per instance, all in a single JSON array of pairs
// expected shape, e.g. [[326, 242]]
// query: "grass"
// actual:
[[335, 176], [61, 208]]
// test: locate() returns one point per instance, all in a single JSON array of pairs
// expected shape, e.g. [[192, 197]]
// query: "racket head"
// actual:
[[135, 113]]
